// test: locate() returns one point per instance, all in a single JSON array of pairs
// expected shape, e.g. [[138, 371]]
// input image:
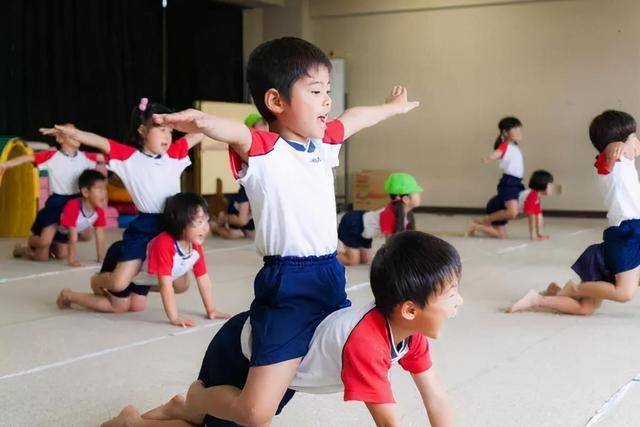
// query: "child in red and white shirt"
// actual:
[[63, 165], [357, 229], [528, 203], [82, 214], [170, 256]]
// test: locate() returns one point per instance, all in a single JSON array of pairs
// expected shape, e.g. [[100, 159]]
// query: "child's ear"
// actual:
[[142, 130], [408, 310], [274, 101], [85, 192]]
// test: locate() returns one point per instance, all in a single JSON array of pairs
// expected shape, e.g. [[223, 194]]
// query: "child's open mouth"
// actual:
[[323, 119]]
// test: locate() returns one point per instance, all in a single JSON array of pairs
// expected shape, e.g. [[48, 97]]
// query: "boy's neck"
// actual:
[[287, 133], [69, 151], [399, 333], [185, 246], [87, 207]]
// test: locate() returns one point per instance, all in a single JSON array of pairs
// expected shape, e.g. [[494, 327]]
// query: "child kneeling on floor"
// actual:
[[170, 256], [414, 279]]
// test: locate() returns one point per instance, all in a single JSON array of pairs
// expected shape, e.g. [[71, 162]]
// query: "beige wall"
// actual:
[[554, 64]]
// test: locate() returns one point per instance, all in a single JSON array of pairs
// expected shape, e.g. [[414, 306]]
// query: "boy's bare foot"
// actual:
[[552, 289], [20, 249], [98, 290], [174, 409], [530, 300], [63, 302], [128, 417], [471, 230]]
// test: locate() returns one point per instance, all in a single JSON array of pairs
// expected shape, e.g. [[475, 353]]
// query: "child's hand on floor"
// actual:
[[540, 237], [398, 98], [183, 322], [74, 263], [217, 315]]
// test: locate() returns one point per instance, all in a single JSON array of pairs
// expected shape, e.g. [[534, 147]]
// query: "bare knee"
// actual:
[[254, 415], [138, 305], [181, 286], [625, 295]]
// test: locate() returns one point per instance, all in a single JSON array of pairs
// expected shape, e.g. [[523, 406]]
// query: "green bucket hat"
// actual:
[[401, 183], [252, 119]]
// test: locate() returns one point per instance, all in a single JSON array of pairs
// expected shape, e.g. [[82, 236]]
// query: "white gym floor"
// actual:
[[78, 368]]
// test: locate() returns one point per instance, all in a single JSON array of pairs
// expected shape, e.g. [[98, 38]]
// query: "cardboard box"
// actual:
[[368, 190]]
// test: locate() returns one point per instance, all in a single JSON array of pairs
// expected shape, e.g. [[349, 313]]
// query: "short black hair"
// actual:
[[140, 117], [540, 179], [88, 177], [611, 126], [278, 64], [412, 266], [179, 211]]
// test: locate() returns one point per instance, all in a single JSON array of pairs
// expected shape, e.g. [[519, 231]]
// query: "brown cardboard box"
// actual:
[[368, 190]]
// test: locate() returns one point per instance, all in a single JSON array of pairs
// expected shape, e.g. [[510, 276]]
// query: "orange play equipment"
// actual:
[[18, 190]]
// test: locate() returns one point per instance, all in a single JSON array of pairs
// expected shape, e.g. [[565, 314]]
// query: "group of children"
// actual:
[[300, 332]]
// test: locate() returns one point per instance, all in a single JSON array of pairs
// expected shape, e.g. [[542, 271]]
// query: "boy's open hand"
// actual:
[[398, 98], [187, 121], [217, 315], [60, 130], [183, 322]]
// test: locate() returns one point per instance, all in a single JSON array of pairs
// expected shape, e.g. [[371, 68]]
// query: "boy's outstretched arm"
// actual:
[[100, 243], [383, 414], [72, 258], [16, 162], [236, 134], [497, 154], [435, 398], [86, 138], [357, 118]]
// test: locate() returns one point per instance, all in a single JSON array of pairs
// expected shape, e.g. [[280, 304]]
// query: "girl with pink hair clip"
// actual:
[[149, 164]]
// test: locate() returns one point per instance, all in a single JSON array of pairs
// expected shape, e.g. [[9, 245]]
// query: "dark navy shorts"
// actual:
[[138, 235], [350, 230], [622, 246], [591, 267], [51, 212], [292, 296], [225, 364], [109, 265], [509, 188]]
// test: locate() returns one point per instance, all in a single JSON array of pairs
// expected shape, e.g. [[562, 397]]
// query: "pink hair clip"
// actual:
[[143, 104]]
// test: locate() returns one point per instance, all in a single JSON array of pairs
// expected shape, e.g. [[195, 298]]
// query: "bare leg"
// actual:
[[104, 304], [255, 404], [562, 304], [349, 256], [495, 231], [130, 417], [119, 279], [624, 289], [174, 409], [40, 244]]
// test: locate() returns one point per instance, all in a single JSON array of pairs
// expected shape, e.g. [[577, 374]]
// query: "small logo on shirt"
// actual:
[[316, 160]]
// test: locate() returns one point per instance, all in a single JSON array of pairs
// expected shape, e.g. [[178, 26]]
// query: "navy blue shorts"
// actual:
[[350, 230], [591, 267], [622, 246], [109, 265], [292, 296], [509, 188], [138, 235], [225, 364], [51, 212]]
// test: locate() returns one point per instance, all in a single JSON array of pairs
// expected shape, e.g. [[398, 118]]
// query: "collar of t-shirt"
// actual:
[[182, 254], [601, 165], [84, 214], [309, 148], [396, 351], [71, 156], [152, 156]]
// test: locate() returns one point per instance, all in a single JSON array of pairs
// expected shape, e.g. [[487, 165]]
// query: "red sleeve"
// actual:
[[179, 149], [160, 255], [503, 148], [532, 204], [366, 361], [91, 156], [387, 220], [200, 267], [118, 151], [262, 142], [601, 165], [70, 212], [42, 156], [102, 219], [418, 358], [334, 133]]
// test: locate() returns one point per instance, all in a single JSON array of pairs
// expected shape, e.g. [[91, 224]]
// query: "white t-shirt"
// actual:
[[150, 179], [64, 170], [291, 192], [511, 161], [621, 192]]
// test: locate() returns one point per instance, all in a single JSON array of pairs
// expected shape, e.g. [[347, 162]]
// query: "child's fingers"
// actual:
[[48, 131]]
